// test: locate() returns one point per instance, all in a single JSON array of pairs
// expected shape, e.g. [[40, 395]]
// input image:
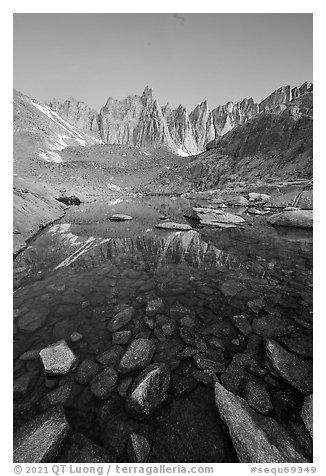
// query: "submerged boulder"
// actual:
[[292, 369], [138, 448], [216, 217], [121, 319], [149, 391], [137, 356], [256, 438], [40, 440], [293, 218], [104, 383]]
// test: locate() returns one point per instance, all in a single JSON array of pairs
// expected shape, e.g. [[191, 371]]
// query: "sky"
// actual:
[[184, 58]]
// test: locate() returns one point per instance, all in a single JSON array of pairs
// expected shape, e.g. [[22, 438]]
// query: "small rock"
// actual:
[[137, 356], [206, 377], [237, 373], [155, 306], [269, 326], [169, 225], [76, 336], [104, 383], [138, 448], [168, 329], [257, 370], [242, 324], [60, 395], [235, 342], [30, 355], [22, 384], [257, 397], [58, 359], [121, 319], [207, 364], [191, 338], [187, 353], [217, 344], [289, 367], [123, 386], [120, 217], [32, 320], [256, 305], [86, 371], [182, 381], [149, 322], [121, 337], [149, 391], [111, 357], [231, 288], [188, 321]]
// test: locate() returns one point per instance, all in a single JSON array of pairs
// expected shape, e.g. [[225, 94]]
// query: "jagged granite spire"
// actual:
[[140, 121]]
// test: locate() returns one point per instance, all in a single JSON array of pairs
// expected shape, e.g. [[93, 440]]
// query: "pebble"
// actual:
[[86, 371], [121, 337], [76, 336], [104, 383], [137, 356], [121, 319]]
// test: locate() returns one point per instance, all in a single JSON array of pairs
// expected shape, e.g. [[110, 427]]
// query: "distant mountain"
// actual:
[[276, 144], [141, 122], [39, 132]]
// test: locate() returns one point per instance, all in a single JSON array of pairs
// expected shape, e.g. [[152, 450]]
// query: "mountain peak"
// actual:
[[148, 92]]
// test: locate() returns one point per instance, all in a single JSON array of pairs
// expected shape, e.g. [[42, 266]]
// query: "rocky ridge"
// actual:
[[141, 122]]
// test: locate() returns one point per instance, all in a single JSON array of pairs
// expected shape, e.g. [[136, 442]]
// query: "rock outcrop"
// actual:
[[256, 438]]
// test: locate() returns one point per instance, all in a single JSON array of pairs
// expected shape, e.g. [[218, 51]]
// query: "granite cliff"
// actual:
[[140, 121], [275, 144]]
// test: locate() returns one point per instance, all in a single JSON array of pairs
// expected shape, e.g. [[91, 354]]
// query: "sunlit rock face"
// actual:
[[136, 120], [224, 118], [77, 113], [181, 130], [141, 122], [40, 132]]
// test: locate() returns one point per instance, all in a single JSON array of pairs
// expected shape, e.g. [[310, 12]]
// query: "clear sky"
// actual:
[[184, 58]]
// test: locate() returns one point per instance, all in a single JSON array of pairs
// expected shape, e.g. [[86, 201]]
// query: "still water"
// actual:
[[78, 273]]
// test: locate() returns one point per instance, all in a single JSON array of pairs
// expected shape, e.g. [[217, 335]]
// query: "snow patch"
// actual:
[[114, 202], [111, 186], [71, 130], [60, 228], [50, 156], [182, 153]]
